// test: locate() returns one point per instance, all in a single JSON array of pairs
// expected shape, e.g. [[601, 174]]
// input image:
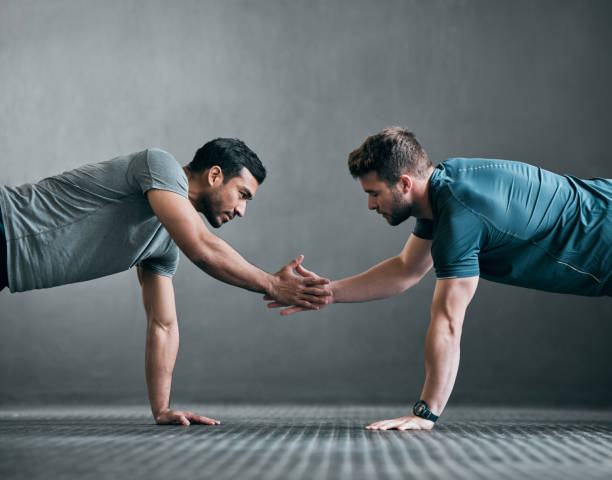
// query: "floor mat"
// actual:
[[304, 442]]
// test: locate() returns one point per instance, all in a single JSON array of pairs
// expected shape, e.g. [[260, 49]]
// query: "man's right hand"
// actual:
[[326, 299], [304, 291], [180, 417]]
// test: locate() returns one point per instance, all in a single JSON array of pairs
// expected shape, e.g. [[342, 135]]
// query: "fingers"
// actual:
[[306, 304], [386, 424], [315, 299], [305, 273], [178, 417], [291, 310], [311, 281], [319, 291], [200, 419], [295, 263], [401, 423], [276, 305]]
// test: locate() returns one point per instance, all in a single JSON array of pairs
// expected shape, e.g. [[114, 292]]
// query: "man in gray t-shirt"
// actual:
[[138, 210]]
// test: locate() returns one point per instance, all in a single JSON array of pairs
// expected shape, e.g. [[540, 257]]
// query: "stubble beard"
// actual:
[[402, 211], [207, 207]]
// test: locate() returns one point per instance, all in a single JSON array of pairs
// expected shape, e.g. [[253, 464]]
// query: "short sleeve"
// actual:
[[423, 228], [156, 169], [165, 265], [456, 244]]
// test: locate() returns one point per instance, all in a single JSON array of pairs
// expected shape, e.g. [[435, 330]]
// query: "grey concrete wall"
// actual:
[[303, 83]]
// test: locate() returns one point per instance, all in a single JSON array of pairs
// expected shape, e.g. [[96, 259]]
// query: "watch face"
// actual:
[[419, 408]]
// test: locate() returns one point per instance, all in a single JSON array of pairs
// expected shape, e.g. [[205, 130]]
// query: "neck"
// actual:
[[194, 186], [422, 205]]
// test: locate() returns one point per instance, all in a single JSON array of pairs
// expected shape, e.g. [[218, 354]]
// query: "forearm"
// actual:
[[218, 259], [160, 356], [442, 352], [384, 280]]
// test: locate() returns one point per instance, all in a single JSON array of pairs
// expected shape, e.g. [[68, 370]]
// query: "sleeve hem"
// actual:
[[157, 270], [165, 188], [446, 274]]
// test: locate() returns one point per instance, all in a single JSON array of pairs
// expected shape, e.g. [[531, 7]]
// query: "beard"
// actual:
[[209, 207], [402, 210]]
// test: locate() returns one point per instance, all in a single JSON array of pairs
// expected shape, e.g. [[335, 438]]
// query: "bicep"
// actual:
[[180, 219], [452, 296], [416, 255], [457, 242], [157, 296]]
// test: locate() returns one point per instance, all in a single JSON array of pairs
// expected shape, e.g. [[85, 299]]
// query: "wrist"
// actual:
[[158, 412], [270, 284], [423, 410], [335, 288]]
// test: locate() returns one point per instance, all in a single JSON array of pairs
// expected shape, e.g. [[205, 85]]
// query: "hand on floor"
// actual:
[[411, 422], [179, 417]]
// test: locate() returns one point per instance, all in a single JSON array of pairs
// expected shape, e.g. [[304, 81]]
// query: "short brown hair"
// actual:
[[390, 153]]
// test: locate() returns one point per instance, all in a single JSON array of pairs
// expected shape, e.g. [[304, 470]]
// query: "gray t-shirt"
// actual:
[[90, 222]]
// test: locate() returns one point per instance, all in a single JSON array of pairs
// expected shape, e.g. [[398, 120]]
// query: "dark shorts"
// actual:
[[3, 261]]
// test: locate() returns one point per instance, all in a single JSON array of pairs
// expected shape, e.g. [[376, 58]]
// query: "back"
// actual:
[[514, 223], [90, 222]]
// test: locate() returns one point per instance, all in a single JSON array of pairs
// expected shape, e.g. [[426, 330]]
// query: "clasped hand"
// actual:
[[306, 291]]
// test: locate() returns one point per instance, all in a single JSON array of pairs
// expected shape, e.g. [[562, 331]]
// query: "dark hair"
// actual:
[[390, 153], [232, 155]]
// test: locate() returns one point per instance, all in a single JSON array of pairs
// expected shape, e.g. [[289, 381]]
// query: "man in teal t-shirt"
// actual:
[[513, 223], [505, 221]]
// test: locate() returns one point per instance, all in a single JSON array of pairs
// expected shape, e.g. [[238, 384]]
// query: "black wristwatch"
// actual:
[[421, 409]]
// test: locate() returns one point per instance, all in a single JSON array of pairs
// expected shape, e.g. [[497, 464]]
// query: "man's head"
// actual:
[[223, 175], [393, 170]]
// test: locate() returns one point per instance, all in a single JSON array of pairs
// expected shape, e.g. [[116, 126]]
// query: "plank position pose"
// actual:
[[140, 209], [507, 222]]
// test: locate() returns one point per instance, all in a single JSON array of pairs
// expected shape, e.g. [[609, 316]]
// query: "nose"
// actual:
[[240, 209], [371, 203]]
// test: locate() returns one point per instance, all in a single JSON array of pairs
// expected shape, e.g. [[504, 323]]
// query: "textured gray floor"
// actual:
[[309, 442]]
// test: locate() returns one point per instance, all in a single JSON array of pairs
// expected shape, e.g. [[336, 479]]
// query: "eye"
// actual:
[[243, 195]]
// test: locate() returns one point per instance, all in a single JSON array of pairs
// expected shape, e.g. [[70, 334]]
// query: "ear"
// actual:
[[215, 176], [405, 183]]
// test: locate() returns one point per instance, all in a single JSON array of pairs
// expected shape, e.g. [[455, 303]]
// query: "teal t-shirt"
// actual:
[[90, 222], [514, 223]]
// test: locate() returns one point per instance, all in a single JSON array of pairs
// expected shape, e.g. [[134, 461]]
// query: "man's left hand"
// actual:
[[411, 422]]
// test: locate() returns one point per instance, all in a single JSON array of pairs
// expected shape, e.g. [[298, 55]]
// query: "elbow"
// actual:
[[200, 256], [446, 325], [163, 325], [445, 335], [200, 260], [415, 273], [454, 329], [417, 277]]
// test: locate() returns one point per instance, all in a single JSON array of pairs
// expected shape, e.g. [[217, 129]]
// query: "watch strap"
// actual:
[[421, 409]]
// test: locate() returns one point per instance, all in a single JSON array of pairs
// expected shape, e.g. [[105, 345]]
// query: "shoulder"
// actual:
[[159, 154], [158, 158], [473, 183], [156, 168]]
